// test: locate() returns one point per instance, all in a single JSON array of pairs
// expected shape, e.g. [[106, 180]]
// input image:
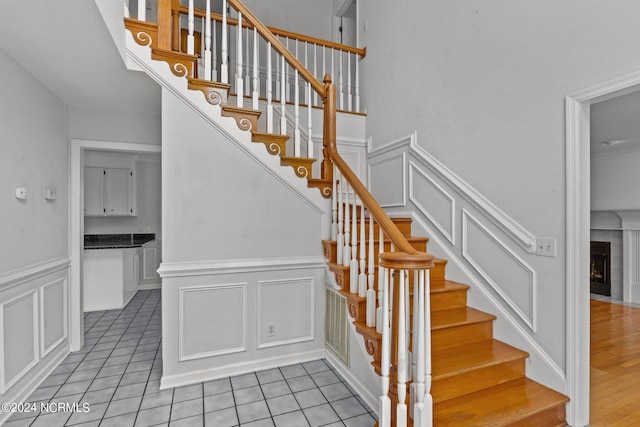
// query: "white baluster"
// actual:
[[422, 414], [285, 71], [214, 51], [334, 207], [353, 265], [190, 39], [207, 42], [239, 66], [247, 67], [380, 279], [347, 223], [333, 76], [341, 73], [385, 357], [349, 101], [309, 123], [371, 292], [142, 10], [256, 85], [362, 278], [269, 91], [401, 409], [296, 111], [224, 51], [415, 353], [340, 237], [357, 109], [324, 63], [277, 80], [283, 100], [315, 64]]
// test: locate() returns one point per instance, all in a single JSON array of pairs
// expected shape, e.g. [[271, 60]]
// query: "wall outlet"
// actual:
[[271, 330], [546, 246]]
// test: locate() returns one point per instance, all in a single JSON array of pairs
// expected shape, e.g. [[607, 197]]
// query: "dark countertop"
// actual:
[[117, 241]]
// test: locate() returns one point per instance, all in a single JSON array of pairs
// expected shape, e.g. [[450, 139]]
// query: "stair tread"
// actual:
[[500, 405], [269, 136], [470, 356], [443, 319], [209, 83], [245, 110]]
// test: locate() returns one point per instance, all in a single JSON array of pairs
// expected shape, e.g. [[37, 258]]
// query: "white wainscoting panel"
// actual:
[[212, 320], [20, 353], [287, 304], [508, 275], [423, 192], [387, 178], [53, 315]]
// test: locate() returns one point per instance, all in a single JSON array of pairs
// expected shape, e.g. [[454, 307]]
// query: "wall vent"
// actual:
[[336, 325]]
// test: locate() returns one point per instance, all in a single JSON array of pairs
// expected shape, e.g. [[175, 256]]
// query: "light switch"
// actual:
[[50, 194], [21, 193]]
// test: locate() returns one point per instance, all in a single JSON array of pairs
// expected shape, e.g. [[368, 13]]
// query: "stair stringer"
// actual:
[[540, 366], [139, 59]]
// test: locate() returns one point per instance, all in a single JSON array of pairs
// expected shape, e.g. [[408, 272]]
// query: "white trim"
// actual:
[[22, 275], [577, 120], [310, 337], [4, 384], [450, 235], [202, 268], [65, 317], [530, 322], [518, 233], [239, 368], [181, 291], [534, 347], [389, 204], [407, 140]]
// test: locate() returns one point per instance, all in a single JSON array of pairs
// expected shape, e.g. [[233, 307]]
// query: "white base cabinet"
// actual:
[[111, 277]]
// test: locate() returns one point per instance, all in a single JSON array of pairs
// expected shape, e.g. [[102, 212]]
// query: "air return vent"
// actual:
[[336, 328]]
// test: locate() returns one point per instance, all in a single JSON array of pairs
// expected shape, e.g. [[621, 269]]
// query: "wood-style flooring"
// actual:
[[615, 365]]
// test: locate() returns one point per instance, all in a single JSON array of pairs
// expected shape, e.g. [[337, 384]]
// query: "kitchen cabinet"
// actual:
[[111, 278], [109, 192]]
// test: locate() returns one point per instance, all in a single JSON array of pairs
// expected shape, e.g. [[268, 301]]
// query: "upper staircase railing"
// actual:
[[405, 363]]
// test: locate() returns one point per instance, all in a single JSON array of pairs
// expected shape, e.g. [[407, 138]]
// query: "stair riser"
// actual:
[[470, 381], [447, 337], [447, 300]]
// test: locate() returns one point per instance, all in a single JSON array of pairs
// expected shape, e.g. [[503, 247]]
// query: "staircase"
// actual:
[[438, 361]]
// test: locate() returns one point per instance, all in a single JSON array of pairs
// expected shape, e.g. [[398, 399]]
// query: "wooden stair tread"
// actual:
[[450, 286], [516, 402], [470, 356], [209, 83], [444, 319]]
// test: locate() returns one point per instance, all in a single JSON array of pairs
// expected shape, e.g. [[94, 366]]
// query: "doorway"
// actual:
[[578, 208], [76, 214]]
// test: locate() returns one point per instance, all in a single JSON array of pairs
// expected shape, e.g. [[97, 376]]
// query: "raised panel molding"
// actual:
[[445, 199], [288, 307], [220, 312], [9, 328], [394, 195], [530, 318], [48, 319]]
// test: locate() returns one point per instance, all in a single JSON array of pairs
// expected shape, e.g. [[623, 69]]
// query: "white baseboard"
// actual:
[[241, 368]]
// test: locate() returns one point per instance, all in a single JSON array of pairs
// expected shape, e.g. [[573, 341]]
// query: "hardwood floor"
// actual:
[[615, 365]]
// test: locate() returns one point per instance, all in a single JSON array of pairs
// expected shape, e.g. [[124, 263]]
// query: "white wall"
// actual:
[[241, 251], [104, 125], [309, 17], [614, 181], [34, 255], [485, 92]]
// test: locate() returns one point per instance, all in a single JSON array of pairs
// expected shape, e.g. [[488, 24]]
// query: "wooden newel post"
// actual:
[[329, 131]]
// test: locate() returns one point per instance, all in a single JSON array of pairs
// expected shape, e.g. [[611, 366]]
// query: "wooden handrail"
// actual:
[[279, 32]]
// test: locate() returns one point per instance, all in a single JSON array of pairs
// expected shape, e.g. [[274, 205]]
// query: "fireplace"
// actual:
[[600, 268]]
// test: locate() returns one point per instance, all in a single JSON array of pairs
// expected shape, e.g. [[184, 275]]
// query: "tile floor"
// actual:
[[116, 376]]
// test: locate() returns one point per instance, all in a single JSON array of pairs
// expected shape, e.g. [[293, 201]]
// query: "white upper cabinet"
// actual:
[[109, 191]]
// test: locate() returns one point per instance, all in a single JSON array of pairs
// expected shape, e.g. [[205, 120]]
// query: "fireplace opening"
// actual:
[[600, 267]]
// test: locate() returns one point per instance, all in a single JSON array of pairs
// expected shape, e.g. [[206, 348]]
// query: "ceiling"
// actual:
[[616, 119], [66, 46]]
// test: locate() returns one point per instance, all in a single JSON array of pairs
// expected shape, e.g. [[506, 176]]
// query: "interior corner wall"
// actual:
[[485, 92], [614, 179], [35, 155]]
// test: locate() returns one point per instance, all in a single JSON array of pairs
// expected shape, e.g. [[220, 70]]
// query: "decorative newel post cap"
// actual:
[[405, 261], [327, 78]]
